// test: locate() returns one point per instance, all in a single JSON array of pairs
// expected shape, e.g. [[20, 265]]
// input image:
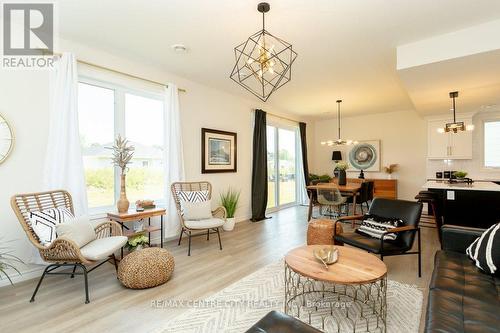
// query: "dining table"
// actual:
[[349, 189]]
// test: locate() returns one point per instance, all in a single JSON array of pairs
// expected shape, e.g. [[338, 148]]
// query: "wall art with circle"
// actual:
[[365, 156]]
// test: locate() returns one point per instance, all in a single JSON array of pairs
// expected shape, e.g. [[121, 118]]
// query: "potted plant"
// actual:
[[342, 167], [390, 169], [7, 260], [229, 201], [122, 155], [460, 175], [137, 242], [314, 179]]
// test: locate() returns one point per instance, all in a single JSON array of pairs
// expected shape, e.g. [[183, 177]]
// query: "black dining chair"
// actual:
[[408, 211], [364, 195]]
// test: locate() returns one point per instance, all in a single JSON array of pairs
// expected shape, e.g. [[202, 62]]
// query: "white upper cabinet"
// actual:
[[448, 145]]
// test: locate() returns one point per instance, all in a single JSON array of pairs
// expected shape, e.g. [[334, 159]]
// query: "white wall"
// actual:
[[403, 140], [24, 101]]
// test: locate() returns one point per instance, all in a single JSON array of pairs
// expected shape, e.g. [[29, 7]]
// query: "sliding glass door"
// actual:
[[281, 167]]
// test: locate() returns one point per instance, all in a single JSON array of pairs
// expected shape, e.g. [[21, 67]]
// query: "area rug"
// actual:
[[237, 307]]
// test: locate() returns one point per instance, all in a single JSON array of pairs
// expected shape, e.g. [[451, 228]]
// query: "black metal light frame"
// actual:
[[244, 51], [454, 126]]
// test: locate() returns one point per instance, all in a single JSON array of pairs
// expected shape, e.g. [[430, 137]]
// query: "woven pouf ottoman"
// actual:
[[146, 268], [320, 232]]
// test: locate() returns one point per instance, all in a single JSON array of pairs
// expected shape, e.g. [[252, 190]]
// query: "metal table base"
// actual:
[[337, 307]]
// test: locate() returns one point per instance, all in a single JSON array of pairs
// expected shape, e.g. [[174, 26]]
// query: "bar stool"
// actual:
[[431, 199]]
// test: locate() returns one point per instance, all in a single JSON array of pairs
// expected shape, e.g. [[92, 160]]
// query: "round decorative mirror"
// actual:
[[6, 139]]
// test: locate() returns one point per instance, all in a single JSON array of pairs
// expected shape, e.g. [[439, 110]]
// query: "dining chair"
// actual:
[[332, 198]]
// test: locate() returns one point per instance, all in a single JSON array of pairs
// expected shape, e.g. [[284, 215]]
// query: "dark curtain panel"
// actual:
[[259, 167], [303, 143]]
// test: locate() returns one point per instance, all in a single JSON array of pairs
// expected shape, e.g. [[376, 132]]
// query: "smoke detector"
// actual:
[[179, 48]]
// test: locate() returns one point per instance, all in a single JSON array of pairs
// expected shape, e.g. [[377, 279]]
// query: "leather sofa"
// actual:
[[461, 297], [277, 322]]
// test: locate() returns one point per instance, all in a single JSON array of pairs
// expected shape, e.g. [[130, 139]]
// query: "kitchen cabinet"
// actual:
[[472, 205], [449, 145]]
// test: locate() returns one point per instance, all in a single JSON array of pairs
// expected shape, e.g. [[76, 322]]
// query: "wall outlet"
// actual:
[[450, 195]]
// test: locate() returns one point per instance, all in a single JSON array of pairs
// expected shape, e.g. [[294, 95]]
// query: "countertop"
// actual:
[[476, 186]]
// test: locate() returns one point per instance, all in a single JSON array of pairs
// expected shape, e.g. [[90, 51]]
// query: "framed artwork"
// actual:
[[218, 151], [365, 156]]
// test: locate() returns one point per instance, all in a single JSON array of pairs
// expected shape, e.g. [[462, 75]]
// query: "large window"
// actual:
[[144, 128], [96, 108], [105, 111], [281, 166], [492, 144]]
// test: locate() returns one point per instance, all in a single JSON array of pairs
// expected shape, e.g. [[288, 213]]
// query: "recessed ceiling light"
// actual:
[[179, 48]]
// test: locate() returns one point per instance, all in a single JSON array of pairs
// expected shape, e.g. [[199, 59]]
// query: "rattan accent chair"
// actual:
[[189, 228], [62, 252]]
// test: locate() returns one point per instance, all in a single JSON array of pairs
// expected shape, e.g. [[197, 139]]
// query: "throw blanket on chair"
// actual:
[[375, 226]]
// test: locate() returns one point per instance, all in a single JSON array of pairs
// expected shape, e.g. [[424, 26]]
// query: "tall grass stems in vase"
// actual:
[[122, 156]]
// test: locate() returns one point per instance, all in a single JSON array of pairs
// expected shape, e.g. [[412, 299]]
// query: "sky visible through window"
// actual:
[[96, 114], [492, 144]]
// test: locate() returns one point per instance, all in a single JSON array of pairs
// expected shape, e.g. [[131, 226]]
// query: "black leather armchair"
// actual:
[[407, 211], [461, 297]]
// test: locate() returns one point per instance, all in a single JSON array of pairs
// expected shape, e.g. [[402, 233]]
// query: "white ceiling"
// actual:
[[347, 48]]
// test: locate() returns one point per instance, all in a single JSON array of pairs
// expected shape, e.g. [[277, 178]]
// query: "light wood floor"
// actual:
[[59, 306]]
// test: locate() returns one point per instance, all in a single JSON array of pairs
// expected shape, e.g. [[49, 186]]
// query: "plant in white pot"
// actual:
[[229, 201]]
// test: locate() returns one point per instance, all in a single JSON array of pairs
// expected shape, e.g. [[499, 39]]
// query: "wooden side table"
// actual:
[[134, 216]]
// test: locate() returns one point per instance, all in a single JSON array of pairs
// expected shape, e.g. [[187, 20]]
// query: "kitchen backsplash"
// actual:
[[472, 167]]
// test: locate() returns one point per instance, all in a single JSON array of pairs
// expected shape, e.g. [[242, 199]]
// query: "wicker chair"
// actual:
[[190, 227], [62, 252]]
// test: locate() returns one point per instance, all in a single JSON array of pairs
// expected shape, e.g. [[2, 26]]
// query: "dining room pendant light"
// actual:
[[263, 61], [455, 126], [339, 141]]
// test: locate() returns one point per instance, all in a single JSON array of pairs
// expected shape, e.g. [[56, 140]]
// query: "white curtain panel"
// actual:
[[173, 157], [63, 161], [302, 197], [63, 167]]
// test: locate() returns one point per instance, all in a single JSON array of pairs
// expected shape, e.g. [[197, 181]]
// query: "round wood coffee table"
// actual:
[[349, 296]]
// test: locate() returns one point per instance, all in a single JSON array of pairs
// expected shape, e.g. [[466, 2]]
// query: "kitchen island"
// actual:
[[473, 205]]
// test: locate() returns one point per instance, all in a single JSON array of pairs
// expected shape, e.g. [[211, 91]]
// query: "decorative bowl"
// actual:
[[328, 254]]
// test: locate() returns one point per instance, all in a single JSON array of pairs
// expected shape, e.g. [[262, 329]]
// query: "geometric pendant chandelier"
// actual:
[[263, 61], [339, 141]]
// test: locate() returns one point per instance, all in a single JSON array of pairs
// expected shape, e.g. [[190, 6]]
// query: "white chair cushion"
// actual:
[[44, 223], [197, 210], [79, 230], [204, 224], [102, 248]]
